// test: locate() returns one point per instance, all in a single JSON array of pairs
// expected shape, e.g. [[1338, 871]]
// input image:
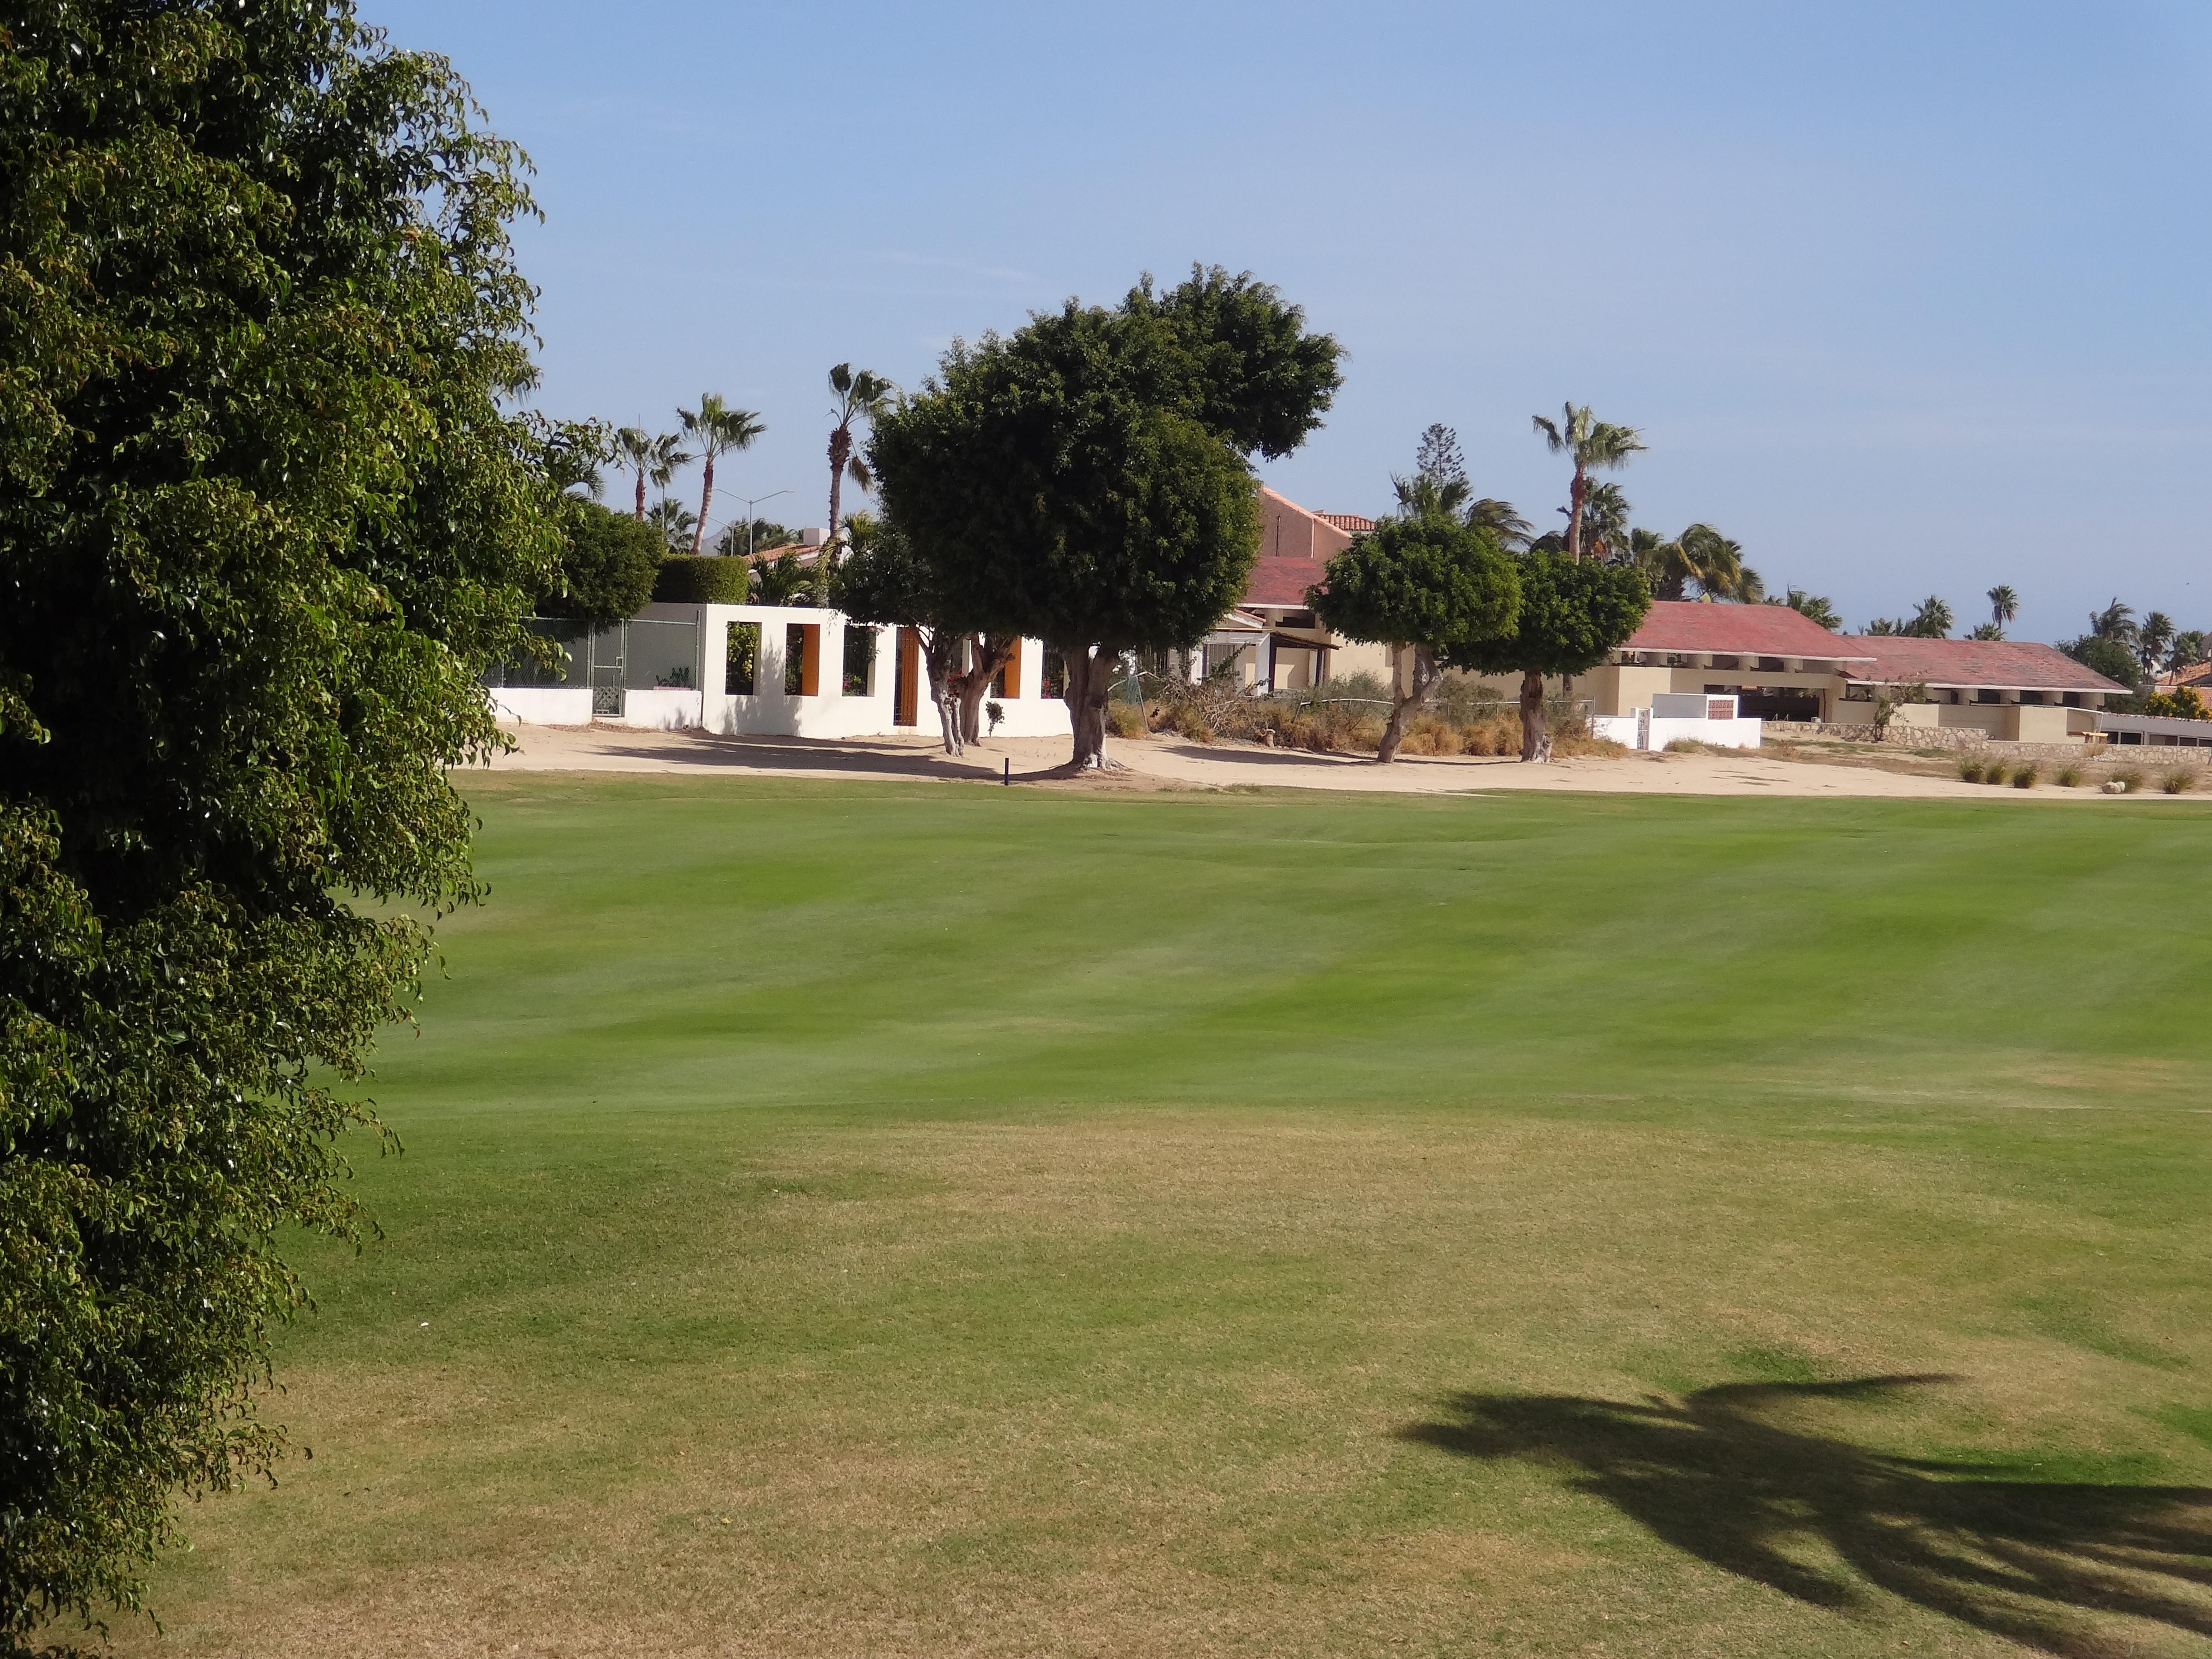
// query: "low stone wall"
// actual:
[[2149, 756], [1899, 735]]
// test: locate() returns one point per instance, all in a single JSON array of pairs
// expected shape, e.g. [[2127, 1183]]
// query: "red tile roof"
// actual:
[[1745, 630], [1280, 579], [1352, 521], [2006, 665]]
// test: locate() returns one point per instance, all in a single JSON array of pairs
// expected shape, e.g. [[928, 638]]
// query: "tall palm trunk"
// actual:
[[706, 496], [1581, 487], [841, 452], [641, 494]]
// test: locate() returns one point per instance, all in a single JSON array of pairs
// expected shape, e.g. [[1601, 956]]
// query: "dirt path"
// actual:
[[1175, 763]]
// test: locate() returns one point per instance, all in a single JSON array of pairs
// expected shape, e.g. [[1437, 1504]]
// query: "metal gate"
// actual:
[[607, 654]]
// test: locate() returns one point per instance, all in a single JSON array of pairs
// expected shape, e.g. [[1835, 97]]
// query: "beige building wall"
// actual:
[[1288, 531]]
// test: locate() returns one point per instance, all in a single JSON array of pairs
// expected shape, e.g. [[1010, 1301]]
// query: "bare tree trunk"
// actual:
[[641, 494], [990, 652], [1402, 703], [1534, 745], [1089, 683], [706, 496]]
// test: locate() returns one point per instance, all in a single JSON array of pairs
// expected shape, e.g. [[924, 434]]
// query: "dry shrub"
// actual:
[[1580, 743], [1125, 719]]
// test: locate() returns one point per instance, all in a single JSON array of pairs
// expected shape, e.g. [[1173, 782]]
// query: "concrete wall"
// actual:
[[829, 713], [2001, 722], [1642, 731], [662, 708], [1622, 688]]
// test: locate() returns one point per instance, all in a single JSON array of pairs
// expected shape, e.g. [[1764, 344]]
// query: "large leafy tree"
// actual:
[[1085, 479], [1423, 586], [1573, 613], [884, 579], [264, 520], [2101, 654], [609, 562]]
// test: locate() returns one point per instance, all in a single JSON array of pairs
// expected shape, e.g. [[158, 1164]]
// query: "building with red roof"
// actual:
[[1274, 638], [1781, 665]]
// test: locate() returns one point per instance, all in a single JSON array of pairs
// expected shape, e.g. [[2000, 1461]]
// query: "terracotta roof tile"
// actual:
[[1749, 630], [1281, 580], [2009, 665]]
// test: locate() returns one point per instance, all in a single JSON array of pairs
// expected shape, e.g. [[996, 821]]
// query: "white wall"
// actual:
[[1641, 731], [768, 712], [542, 705]]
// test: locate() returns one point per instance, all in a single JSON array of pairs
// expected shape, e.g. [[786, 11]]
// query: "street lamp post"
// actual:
[[753, 518]]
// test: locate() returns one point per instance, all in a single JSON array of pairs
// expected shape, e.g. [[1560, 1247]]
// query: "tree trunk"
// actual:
[[841, 451], [1089, 683], [641, 494], [1574, 514], [990, 652], [1420, 681], [937, 649], [706, 496], [1534, 745]]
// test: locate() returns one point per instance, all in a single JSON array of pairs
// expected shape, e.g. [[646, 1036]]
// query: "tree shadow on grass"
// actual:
[[1716, 1477]]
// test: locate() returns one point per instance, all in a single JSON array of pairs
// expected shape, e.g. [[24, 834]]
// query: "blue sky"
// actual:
[[1906, 298]]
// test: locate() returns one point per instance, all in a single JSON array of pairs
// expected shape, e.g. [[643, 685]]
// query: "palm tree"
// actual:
[[673, 520], [1499, 518], [2116, 622], [2155, 639], [1812, 607], [1932, 621], [2004, 604], [782, 580], [860, 397], [1988, 630], [1593, 445], [718, 430], [2188, 648], [1425, 496], [1605, 520], [650, 456]]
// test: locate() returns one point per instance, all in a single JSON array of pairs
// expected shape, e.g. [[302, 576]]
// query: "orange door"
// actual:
[[906, 691]]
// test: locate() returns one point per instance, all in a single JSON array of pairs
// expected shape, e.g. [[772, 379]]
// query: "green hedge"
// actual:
[[707, 578]]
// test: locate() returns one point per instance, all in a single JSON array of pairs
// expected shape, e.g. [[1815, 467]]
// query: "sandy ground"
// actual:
[[1176, 764]]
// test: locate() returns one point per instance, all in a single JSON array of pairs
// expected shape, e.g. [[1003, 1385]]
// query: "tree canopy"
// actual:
[[1573, 612], [263, 521], [1084, 480], [609, 562], [1425, 585]]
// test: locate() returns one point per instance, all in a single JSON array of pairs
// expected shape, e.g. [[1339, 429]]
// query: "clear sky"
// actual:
[[1908, 298]]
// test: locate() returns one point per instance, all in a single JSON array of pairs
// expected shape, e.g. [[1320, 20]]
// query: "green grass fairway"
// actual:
[[855, 1220]]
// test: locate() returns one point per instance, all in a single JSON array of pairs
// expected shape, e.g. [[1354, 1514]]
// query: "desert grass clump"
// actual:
[[2068, 777], [1125, 719], [1970, 771], [1685, 746], [1995, 773], [2026, 777], [2130, 778], [2180, 781]]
